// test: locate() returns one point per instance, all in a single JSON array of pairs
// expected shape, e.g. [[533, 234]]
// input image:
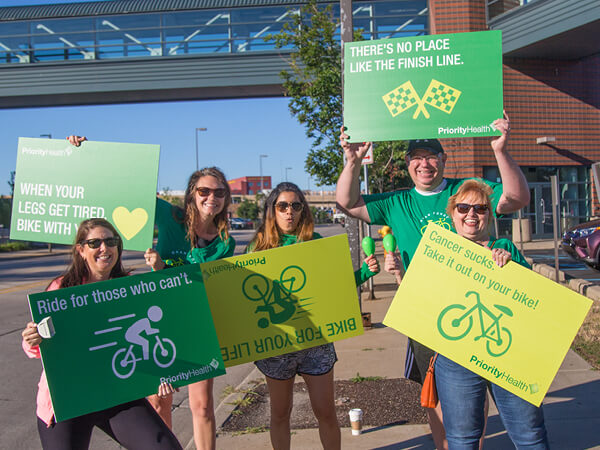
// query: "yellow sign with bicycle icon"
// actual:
[[282, 300], [509, 325]]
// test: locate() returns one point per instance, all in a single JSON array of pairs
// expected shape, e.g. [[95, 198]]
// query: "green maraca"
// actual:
[[368, 245], [389, 243]]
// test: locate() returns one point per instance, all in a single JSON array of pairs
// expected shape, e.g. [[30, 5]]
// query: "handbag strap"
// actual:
[[432, 361]]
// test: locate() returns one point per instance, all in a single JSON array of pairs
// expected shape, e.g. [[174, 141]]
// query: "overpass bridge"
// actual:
[[124, 51], [139, 51]]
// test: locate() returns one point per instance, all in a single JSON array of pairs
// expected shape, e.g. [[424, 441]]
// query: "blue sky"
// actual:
[[238, 131]]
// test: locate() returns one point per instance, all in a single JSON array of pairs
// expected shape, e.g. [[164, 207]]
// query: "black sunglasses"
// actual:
[[205, 192], [97, 242], [464, 208], [283, 206]]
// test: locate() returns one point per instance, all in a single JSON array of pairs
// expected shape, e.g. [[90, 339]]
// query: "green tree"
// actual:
[[248, 210], [172, 199], [11, 183], [320, 215], [388, 171], [314, 85]]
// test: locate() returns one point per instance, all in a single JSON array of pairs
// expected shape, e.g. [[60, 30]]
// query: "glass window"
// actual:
[[208, 31]]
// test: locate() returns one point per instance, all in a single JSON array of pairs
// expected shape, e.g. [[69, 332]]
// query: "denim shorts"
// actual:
[[310, 361]]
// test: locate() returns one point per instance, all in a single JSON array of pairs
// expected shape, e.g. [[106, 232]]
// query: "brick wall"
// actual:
[[456, 16], [542, 98]]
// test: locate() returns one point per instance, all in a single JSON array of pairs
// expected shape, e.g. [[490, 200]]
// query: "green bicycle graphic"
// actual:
[[455, 322], [441, 222], [257, 288]]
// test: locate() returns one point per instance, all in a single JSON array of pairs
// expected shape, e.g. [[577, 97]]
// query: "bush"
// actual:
[[14, 246]]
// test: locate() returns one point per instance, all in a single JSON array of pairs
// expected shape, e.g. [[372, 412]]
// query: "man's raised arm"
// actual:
[[347, 193], [515, 189]]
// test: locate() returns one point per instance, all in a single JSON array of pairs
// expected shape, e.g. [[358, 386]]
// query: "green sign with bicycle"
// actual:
[[117, 340], [510, 325], [281, 300]]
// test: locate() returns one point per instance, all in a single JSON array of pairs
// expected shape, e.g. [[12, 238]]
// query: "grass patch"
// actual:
[[587, 341], [14, 246], [248, 397], [359, 379], [227, 390], [367, 349], [250, 430]]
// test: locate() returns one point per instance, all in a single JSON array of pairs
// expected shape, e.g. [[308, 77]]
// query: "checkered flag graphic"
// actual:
[[401, 99], [441, 96]]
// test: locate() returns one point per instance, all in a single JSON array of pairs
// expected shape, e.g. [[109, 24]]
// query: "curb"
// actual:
[[22, 254], [581, 286], [226, 406]]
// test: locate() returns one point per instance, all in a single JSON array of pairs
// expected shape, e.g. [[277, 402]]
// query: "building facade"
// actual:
[[249, 185], [551, 90]]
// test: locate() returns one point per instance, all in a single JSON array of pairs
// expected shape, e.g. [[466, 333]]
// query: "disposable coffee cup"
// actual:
[[356, 421]]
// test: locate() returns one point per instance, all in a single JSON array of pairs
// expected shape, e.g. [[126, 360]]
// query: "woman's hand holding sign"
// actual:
[[76, 140], [31, 336], [501, 256], [153, 259]]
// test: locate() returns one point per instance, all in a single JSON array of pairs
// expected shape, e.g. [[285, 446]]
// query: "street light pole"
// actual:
[[196, 132], [49, 136], [260, 158], [286, 169]]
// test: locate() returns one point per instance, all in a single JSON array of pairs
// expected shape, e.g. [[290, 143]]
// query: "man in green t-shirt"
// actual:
[[409, 212]]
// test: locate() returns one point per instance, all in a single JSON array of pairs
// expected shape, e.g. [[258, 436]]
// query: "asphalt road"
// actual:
[[20, 375]]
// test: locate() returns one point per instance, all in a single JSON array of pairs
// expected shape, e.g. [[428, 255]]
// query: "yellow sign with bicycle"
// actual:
[[509, 325], [282, 300]]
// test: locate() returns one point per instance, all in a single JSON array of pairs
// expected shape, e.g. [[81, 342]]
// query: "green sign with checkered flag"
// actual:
[[421, 87]]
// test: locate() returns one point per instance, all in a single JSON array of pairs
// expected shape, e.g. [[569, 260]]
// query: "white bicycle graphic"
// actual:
[[124, 360]]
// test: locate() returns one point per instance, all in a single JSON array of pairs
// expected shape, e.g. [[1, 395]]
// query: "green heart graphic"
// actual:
[[129, 223]]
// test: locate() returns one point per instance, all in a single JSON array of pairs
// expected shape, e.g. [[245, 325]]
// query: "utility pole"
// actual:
[[49, 136], [347, 31]]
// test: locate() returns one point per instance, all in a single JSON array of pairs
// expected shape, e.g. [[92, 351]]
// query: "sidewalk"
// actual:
[[572, 406]]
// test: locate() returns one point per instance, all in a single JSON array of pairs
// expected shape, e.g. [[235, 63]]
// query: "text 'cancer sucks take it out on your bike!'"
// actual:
[[471, 271]]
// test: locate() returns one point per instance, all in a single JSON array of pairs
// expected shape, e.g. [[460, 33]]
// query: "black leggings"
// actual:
[[134, 425]]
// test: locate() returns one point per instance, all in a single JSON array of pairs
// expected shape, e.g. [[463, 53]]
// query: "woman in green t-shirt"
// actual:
[[207, 198], [463, 393], [287, 219]]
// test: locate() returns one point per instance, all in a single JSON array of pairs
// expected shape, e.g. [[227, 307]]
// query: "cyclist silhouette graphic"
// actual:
[[124, 360], [256, 288], [133, 333]]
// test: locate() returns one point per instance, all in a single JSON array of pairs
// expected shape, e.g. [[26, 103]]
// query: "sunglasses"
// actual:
[[464, 208], [205, 192], [283, 206], [96, 243]]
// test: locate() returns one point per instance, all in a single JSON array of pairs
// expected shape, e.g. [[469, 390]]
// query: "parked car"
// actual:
[[582, 242], [237, 223]]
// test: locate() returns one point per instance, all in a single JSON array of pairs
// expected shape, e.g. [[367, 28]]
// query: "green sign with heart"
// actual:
[[58, 185]]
